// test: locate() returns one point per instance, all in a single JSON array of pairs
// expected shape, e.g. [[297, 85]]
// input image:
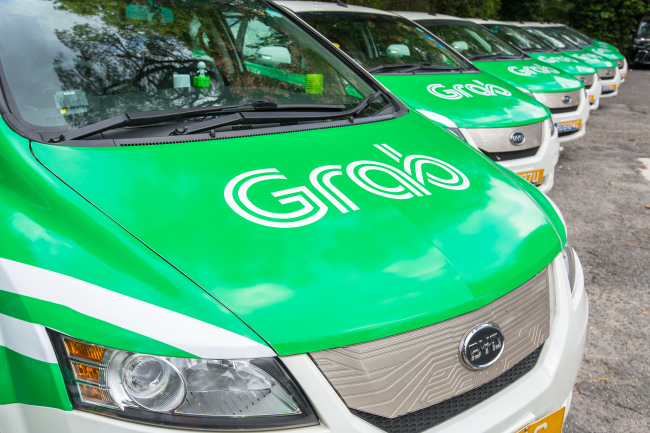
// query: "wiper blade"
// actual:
[[147, 118], [391, 66], [483, 56], [270, 116], [411, 67]]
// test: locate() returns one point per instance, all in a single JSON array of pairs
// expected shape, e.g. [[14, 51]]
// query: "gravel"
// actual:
[[605, 198]]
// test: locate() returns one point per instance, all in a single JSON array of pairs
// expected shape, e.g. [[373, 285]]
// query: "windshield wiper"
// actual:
[[483, 56], [270, 116], [411, 67], [147, 118]]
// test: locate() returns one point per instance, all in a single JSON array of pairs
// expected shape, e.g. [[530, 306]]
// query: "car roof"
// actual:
[[482, 21], [420, 16], [307, 6]]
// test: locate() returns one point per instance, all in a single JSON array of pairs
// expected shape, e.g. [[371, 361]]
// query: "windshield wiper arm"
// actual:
[[271, 116], [147, 118], [483, 56]]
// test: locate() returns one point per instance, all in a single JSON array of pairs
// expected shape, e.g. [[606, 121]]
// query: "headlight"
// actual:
[[620, 64], [570, 263], [457, 133], [551, 127], [233, 394]]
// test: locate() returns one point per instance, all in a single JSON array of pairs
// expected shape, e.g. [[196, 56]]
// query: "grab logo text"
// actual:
[[459, 91], [530, 71], [412, 178]]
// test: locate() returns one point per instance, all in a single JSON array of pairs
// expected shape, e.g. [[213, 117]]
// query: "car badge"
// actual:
[[566, 99], [517, 138], [608, 72], [482, 346]]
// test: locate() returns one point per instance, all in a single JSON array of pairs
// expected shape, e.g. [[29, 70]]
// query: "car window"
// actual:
[[551, 39], [70, 63], [377, 39], [517, 37], [472, 40]]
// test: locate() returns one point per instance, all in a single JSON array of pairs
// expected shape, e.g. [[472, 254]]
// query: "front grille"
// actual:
[[561, 100], [607, 73], [404, 373], [507, 156], [423, 419], [563, 110], [565, 133], [498, 139]]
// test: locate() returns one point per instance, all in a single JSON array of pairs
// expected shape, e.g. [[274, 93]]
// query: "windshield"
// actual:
[[518, 37], [472, 41], [74, 63], [550, 38], [378, 39], [569, 36], [586, 40]]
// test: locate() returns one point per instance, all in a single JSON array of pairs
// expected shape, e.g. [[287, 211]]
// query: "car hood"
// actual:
[[605, 52], [532, 75], [321, 238], [564, 63], [591, 59], [470, 100]]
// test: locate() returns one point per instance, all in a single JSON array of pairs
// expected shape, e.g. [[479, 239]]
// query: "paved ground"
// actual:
[[605, 198]]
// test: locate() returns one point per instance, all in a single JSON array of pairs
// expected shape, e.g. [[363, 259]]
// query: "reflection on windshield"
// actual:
[[378, 39], [517, 37], [472, 40], [553, 40], [77, 62]]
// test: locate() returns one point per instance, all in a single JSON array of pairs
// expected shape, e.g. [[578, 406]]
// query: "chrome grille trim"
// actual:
[[407, 372], [498, 139], [554, 100], [602, 73], [587, 79]]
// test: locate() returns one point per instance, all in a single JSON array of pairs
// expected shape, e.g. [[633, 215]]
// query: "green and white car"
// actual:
[[562, 93], [608, 70], [594, 46], [540, 50], [199, 239], [506, 124]]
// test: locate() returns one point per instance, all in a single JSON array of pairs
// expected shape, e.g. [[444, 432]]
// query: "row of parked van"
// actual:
[[514, 90], [212, 219]]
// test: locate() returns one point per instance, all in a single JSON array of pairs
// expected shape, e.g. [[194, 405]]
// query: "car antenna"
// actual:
[[517, 18], [341, 3], [482, 17], [432, 11]]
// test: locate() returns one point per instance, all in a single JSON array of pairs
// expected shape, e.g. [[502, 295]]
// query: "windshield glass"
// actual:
[[568, 36], [379, 39], [552, 39], [472, 41], [586, 40], [76, 62], [518, 37]]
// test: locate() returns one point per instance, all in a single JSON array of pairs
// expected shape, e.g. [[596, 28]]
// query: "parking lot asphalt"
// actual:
[[603, 189]]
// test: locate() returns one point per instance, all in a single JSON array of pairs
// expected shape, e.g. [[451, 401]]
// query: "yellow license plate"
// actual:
[[550, 424], [591, 99], [571, 124], [611, 86], [623, 74], [535, 176]]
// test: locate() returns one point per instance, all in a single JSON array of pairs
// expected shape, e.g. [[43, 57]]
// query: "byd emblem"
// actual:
[[482, 346], [299, 205], [517, 138]]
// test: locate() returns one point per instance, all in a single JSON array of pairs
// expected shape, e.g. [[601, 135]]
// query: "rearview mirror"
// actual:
[[151, 15], [273, 56], [397, 51]]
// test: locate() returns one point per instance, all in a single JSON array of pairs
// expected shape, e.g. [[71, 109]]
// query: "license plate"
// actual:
[[550, 424], [609, 88], [591, 99], [533, 176], [623, 74], [570, 125]]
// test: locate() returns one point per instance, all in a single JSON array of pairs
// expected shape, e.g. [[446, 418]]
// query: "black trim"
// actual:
[[424, 419], [508, 156], [566, 133], [563, 110]]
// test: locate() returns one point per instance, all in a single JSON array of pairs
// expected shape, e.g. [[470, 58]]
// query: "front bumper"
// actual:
[[593, 94], [623, 71], [545, 159], [579, 115], [611, 86], [540, 392]]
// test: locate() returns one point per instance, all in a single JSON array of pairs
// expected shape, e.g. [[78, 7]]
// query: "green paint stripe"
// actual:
[[84, 327], [277, 74], [28, 381]]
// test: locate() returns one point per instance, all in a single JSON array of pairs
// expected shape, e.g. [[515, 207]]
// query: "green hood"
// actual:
[[591, 59], [531, 75], [606, 52], [603, 44], [482, 102], [353, 268], [564, 63]]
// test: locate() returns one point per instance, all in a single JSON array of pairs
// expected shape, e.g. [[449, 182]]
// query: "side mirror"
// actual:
[[273, 56], [632, 32], [397, 51], [460, 45]]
